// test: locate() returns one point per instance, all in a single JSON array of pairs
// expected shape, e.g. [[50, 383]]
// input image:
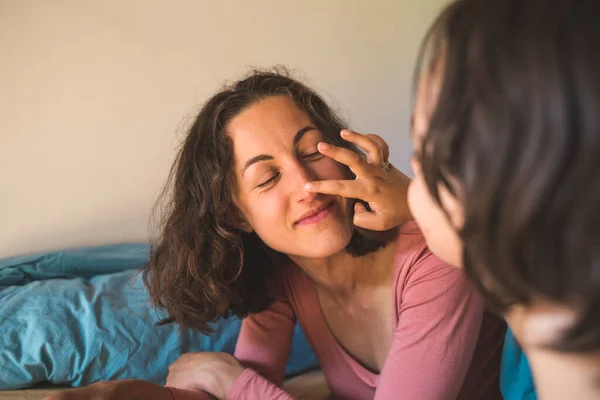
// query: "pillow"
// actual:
[[79, 316]]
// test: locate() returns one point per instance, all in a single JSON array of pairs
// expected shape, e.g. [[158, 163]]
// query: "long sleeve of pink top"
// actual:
[[438, 325]]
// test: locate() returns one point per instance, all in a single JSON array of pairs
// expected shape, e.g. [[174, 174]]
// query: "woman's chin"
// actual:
[[325, 246], [326, 242]]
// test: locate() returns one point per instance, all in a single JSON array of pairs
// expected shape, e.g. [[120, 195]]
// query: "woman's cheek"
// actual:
[[327, 168]]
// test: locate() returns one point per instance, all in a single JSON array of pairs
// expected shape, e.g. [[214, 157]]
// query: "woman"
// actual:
[[385, 317], [506, 130]]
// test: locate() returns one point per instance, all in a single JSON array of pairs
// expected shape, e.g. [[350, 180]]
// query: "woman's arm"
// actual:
[[258, 369], [440, 318], [182, 394], [263, 347]]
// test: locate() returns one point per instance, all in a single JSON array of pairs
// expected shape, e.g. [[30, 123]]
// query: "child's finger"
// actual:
[[366, 219], [353, 189], [371, 147], [359, 208], [385, 149], [353, 160]]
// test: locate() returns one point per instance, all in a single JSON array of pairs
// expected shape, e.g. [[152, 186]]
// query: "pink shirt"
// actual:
[[444, 345]]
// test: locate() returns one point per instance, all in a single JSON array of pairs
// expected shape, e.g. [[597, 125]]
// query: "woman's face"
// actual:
[[275, 155], [440, 231]]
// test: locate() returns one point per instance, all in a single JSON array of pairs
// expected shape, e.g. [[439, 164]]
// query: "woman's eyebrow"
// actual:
[[255, 159], [266, 157], [301, 132]]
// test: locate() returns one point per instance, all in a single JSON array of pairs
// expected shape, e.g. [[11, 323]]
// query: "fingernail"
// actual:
[[345, 133], [308, 186], [324, 146]]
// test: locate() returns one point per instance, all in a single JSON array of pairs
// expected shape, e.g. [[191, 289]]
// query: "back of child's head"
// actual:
[[516, 136]]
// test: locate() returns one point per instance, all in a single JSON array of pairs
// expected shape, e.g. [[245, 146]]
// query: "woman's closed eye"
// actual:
[[312, 156], [269, 181]]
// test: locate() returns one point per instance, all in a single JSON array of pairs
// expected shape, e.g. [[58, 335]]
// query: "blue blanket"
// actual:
[[79, 316]]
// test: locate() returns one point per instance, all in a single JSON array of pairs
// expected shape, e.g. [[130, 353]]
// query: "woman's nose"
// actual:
[[303, 175]]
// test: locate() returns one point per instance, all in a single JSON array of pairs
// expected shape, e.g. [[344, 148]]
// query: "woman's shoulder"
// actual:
[[410, 247], [422, 279], [414, 261], [409, 228]]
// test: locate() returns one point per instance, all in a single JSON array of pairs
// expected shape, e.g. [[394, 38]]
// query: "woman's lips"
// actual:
[[317, 217]]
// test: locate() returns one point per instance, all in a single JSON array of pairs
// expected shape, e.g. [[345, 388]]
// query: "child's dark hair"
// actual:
[[516, 136], [202, 268]]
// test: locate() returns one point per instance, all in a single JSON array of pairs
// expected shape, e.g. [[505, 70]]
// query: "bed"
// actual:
[[74, 317]]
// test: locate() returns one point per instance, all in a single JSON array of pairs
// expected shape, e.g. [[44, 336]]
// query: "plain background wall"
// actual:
[[95, 95]]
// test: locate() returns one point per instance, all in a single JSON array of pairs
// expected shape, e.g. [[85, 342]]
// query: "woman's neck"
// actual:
[[344, 276]]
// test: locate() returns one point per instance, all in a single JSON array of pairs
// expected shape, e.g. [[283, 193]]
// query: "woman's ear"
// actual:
[[237, 220]]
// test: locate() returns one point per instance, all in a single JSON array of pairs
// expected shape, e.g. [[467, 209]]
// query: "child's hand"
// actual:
[[377, 182]]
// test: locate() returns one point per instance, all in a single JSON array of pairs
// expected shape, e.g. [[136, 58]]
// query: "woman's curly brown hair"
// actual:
[[202, 268]]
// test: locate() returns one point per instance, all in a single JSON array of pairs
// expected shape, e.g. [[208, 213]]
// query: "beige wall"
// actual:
[[94, 95]]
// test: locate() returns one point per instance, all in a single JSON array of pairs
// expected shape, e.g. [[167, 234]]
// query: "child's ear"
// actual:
[[237, 220]]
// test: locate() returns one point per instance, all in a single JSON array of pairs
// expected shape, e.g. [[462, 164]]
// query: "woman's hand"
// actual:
[[214, 373], [130, 389], [377, 182]]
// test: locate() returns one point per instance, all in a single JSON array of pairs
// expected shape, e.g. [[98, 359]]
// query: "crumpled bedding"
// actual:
[[79, 316]]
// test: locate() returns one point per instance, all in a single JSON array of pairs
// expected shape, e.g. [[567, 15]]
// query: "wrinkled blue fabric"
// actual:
[[79, 316]]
